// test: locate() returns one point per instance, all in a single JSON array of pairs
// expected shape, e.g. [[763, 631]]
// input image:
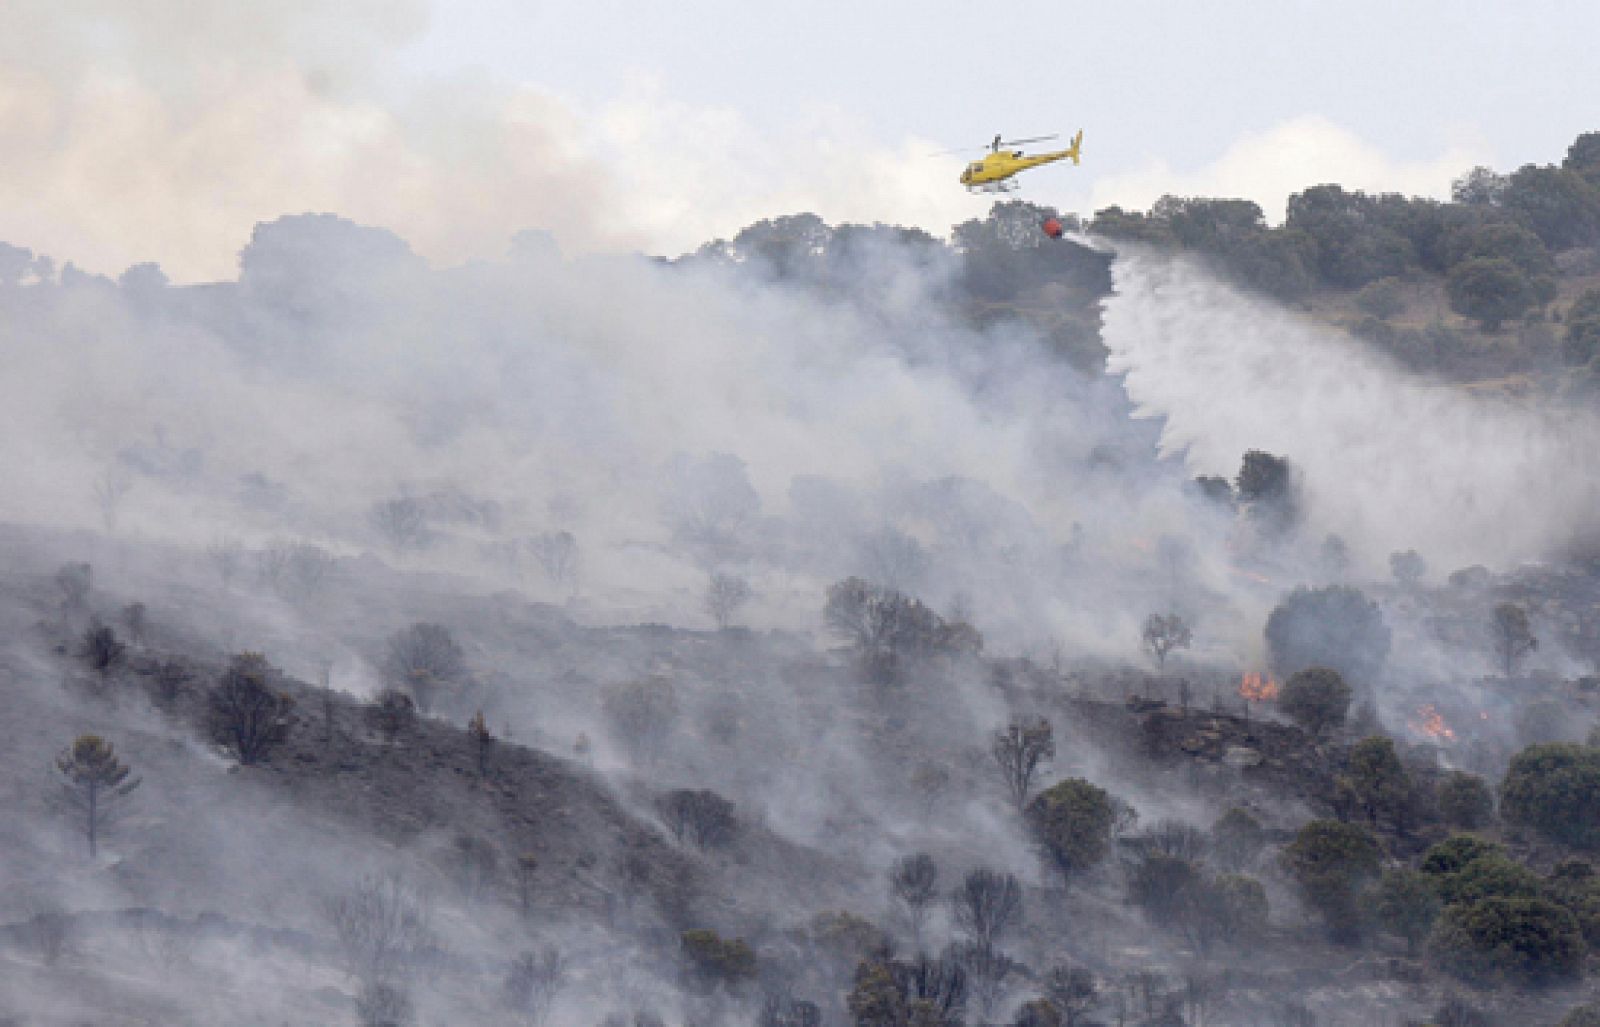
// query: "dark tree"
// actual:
[[1331, 863], [1512, 636], [1316, 699], [392, 713], [713, 960], [1164, 634], [1018, 749], [914, 882], [1336, 627], [1407, 567], [987, 905], [1073, 991], [1215, 489], [886, 628], [426, 662], [94, 781], [246, 714], [171, 677], [482, 742], [476, 862], [700, 818], [725, 596], [788, 1011], [74, 580], [133, 618], [101, 649], [1071, 821], [1237, 839], [1163, 886], [381, 1004]]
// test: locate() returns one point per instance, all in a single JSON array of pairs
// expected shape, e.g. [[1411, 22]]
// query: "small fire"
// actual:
[[1258, 688], [1430, 722]]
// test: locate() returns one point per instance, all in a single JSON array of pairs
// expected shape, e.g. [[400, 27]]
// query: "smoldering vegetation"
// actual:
[[805, 631]]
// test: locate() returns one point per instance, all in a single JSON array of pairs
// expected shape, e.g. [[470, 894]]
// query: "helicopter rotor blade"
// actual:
[[1030, 139], [956, 149]]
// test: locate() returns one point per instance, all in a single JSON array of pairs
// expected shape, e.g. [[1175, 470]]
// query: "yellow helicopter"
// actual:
[[994, 173]]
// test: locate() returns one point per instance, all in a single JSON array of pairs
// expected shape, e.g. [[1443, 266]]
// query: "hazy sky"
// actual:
[[163, 130]]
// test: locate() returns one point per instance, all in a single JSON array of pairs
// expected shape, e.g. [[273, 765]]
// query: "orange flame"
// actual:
[[1430, 722], [1258, 687]]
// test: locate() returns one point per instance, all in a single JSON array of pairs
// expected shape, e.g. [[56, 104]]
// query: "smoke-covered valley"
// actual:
[[561, 639]]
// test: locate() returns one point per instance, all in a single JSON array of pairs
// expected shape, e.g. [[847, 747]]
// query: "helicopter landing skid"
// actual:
[[1005, 185]]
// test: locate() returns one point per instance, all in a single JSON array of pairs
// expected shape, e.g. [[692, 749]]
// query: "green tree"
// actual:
[[1378, 781], [1559, 205], [1455, 852], [1072, 821], [1490, 290], [1316, 699], [1512, 635], [94, 780], [1407, 903], [1583, 157], [1331, 863], [245, 713], [714, 960], [1524, 941], [1383, 299], [1336, 627], [1555, 789], [1465, 800], [1489, 876]]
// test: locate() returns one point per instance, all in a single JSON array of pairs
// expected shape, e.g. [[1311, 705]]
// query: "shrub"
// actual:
[[1556, 790], [1521, 940]]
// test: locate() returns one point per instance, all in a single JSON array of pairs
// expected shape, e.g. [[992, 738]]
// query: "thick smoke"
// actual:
[[1387, 460]]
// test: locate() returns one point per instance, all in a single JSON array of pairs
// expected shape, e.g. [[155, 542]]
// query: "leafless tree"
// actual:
[[109, 490], [246, 714], [701, 818], [533, 982], [557, 555], [642, 713], [227, 556], [1018, 749], [1073, 991], [381, 925], [402, 522], [1164, 634], [94, 781], [778, 1010], [49, 932], [893, 559], [306, 567], [725, 596], [988, 972], [527, 877], [1173, 838], [1513, 636], [425, 661], [987, 905], [914, 882], [171, 675]]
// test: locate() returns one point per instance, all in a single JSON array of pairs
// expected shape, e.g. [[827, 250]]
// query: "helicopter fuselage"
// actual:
[[992, 173]]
